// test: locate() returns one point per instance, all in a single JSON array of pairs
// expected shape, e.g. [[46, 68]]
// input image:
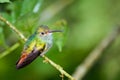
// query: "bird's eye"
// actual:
[[42, 33]]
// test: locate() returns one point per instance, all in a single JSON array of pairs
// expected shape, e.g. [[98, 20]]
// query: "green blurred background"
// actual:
[[85, 22]]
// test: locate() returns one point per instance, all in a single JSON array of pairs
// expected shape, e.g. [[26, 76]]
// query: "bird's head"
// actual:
[[45, 33]]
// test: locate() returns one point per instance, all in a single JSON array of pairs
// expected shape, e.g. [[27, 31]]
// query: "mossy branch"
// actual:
[[59, 68]]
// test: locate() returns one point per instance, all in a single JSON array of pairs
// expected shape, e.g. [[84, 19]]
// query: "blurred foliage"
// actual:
[[84, 23], [4, 1]]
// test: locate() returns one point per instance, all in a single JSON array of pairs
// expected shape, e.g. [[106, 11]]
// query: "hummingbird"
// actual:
[[36, 45]]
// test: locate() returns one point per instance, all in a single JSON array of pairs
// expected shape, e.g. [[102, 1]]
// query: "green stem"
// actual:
[[15, 46]]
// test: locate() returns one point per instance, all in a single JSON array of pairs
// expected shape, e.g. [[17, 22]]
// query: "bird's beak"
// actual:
[[51, 31]]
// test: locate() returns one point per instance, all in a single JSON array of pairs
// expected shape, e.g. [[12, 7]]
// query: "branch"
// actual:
[[59, 68], [83, 68]]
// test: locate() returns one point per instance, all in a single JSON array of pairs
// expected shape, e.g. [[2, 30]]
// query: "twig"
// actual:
[[59, 68], [6, 52], [83, 68], [62, 76]]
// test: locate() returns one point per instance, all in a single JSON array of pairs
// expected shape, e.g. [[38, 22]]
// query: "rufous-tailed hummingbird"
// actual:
[[37, 44]]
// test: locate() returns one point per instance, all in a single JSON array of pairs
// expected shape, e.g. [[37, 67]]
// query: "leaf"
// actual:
[[29, 6], [4, 1], [14, 8], [60, 38]]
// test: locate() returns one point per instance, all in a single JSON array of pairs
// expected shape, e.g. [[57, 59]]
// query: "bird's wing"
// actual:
[[30, 53]]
